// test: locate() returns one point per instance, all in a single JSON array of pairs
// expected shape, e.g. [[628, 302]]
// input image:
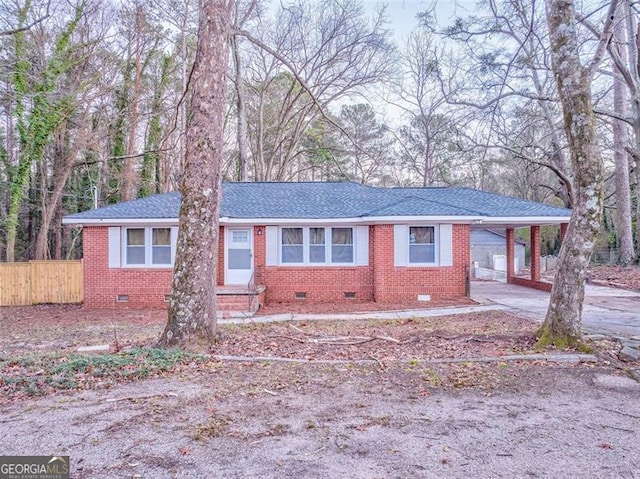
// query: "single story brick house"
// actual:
[[315, 242]]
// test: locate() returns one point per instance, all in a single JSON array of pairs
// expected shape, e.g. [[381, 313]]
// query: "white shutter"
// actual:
[[400, 244], [362, 245], [115, 247], [271, 238], [446, 245], [174, 243]]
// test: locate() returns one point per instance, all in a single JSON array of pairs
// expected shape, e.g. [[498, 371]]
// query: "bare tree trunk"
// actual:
[[63, 166], [192, 306], [243, 140], [129, 171], [562, 322], [620, 155], [57, 251]]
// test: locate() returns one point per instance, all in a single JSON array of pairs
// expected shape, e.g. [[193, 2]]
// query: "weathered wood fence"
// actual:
[[38, 282]]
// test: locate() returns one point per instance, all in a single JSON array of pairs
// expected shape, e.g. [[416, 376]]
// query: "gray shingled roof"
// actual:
[[331, 200]]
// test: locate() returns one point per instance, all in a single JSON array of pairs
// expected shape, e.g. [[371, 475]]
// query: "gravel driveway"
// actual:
[[283, 421]]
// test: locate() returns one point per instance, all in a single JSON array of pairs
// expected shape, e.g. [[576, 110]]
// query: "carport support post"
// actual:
[[535, 252], [563, 230], [511, 248]]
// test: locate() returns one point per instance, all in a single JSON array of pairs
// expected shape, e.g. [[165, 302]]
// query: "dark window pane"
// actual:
[[161, 237], [342, 235], [292, 236], [316, 236], [135, 237], [421, 235]]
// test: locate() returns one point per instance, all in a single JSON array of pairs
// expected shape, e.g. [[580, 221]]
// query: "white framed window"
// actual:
[[292, 240], [152, 247], [161, 246], [317, 245], [342, 245], [135, 246], [422, 245]]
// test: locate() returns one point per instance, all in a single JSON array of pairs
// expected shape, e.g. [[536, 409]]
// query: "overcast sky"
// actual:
[[403, 12]]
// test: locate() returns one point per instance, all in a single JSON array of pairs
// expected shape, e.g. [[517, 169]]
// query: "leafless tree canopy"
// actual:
[[95, 101]]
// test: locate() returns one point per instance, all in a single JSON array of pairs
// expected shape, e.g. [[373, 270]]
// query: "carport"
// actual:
[[534, 224]]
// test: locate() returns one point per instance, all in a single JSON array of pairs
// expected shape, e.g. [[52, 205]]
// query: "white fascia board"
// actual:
[[289, 221], [357, 220], [119, 222], [526, 220], [423, 219], [282, 221]]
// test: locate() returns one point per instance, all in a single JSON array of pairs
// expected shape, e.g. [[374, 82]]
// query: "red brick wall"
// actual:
[[320, 283], [405, 283], [221, 240], [379, 281], [144, 286], [530, 283]]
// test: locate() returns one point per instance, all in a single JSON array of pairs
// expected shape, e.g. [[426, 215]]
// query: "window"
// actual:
[[149, 246], [422, 244], [161, 246], [317, 247], [240, 236], [292, 245], [342, 245], [135, 246]]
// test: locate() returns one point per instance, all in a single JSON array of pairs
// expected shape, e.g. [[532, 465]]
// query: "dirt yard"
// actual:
[[626, 277], [384, 409]]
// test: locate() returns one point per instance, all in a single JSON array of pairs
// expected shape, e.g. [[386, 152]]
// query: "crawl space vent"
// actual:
[[350, 295], [301, 295], [122, 298]]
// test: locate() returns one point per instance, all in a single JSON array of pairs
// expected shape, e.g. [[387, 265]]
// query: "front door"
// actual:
[[238, 255]]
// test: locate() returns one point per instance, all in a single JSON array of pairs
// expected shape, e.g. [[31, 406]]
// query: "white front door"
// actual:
[[238, 258]]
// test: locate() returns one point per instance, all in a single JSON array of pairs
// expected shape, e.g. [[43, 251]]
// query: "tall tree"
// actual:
[[192, 304], [335, 54], [39, 110], [573, 80], [620, 144]]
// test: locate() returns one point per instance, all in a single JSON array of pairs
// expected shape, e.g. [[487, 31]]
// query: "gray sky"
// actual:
[[403, 12]]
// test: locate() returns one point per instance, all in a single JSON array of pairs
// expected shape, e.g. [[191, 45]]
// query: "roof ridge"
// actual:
[[424, 200], [449, 204]]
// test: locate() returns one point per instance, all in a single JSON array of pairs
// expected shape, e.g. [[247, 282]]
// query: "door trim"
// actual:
[[227, 242]]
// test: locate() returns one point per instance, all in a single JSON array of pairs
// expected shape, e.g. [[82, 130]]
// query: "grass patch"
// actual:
[[39, 374]]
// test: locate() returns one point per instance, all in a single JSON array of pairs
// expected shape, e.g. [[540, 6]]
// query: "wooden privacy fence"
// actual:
[[37, 282]]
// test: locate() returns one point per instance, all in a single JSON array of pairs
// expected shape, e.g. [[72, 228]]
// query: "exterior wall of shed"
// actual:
[[485, 244], [379, 281]]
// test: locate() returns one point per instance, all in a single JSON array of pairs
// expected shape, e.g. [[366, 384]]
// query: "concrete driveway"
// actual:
[[610, 311]]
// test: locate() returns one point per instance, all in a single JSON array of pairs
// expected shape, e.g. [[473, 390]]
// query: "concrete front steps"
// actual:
[[235, 301]]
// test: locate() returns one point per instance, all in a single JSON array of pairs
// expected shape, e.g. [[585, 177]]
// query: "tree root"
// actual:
[[566, 340]]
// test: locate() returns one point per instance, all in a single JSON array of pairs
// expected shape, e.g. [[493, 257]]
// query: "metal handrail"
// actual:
[[250, 287]]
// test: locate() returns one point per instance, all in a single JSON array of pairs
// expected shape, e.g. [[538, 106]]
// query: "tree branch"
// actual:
[[27, 27]]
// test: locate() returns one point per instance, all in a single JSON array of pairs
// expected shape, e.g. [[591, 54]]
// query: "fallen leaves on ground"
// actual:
[[626, 277]]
